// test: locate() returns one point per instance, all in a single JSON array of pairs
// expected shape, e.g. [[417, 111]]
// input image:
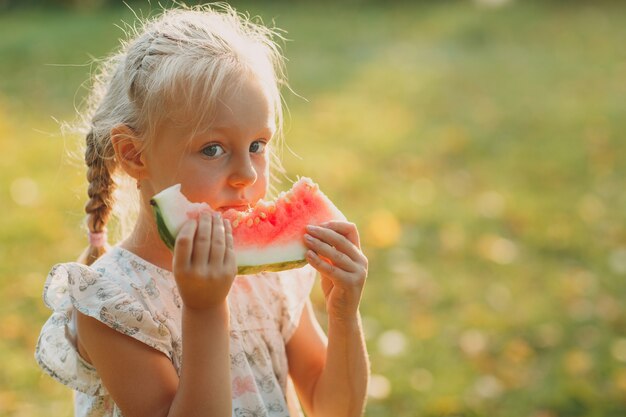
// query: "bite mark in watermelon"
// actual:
[[266, 237]]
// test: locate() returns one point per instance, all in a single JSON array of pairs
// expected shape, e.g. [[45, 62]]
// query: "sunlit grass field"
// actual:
[[480, 150]]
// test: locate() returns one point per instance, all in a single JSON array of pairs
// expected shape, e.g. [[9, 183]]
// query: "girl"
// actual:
[[194, 99]]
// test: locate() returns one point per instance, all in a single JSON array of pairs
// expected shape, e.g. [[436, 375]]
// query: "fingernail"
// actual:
[[308, 237], [312, 227]]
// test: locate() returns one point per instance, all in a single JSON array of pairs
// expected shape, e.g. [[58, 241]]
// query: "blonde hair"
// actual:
[[160, 73]]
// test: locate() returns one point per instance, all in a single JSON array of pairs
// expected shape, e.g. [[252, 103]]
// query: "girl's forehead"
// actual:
[[250, 98], [248, 106], [244, 107], [246, 116]]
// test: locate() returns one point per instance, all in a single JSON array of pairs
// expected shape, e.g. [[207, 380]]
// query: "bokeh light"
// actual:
[[25, 192]]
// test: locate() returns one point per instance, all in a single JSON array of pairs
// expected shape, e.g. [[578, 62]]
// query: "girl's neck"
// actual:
[[144, 241]]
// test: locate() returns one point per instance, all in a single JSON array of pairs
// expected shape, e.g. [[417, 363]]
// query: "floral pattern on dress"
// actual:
[[142, 301]]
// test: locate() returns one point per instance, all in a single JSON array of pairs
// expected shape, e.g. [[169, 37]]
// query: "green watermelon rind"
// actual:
[[275, 267], [164, 231]]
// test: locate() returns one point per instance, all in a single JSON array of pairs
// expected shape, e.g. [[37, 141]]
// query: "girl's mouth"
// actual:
[[240, 207]]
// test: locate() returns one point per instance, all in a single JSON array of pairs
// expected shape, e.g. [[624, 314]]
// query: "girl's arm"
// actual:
[[143, 381], [331, 375]]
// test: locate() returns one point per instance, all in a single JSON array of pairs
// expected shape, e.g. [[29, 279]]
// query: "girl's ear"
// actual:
[[128, 151]]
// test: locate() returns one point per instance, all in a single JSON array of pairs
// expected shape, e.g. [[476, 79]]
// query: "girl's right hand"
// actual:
[[204, 261]]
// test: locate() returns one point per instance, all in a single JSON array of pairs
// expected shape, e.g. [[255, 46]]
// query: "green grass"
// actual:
[[492, 138]]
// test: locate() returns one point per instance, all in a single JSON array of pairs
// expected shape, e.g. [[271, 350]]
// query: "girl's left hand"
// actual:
[[335, 251]]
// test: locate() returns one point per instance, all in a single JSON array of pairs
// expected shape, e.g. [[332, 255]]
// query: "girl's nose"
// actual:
[[243, 173]]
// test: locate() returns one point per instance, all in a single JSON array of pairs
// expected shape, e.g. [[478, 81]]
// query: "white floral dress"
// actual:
[[142, 301]]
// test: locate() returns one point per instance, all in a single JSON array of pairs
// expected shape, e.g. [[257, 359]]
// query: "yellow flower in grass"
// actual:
[[497, 249], [619, 380], [444, 405], [518, 351], [424, 326], [578, 362], [383, 229]]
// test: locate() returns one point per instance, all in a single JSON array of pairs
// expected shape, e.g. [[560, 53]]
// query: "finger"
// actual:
[[202, 240], [218, 242], [184, 245], [336, 239], [336, 257], [326, 269], [346, 229], [229, 254]]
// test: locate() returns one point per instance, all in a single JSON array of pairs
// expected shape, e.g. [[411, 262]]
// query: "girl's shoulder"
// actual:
[[117, 272], [118, 290], [123, 265]]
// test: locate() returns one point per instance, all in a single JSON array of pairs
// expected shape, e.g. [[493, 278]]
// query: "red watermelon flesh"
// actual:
[[268, 236]]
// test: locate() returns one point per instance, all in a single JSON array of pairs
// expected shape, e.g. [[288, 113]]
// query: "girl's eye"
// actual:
[[213, 150], [257, 147]]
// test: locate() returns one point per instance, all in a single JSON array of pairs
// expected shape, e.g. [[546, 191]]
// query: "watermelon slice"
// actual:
[[267, 237]]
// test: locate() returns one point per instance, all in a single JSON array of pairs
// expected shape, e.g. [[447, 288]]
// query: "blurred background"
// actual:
[[479, 146]]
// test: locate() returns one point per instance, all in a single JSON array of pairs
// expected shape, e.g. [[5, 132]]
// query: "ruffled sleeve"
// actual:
[[296, 286], [73, 286]]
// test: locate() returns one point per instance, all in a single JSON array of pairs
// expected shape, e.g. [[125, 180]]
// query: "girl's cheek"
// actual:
[[265, 169]]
